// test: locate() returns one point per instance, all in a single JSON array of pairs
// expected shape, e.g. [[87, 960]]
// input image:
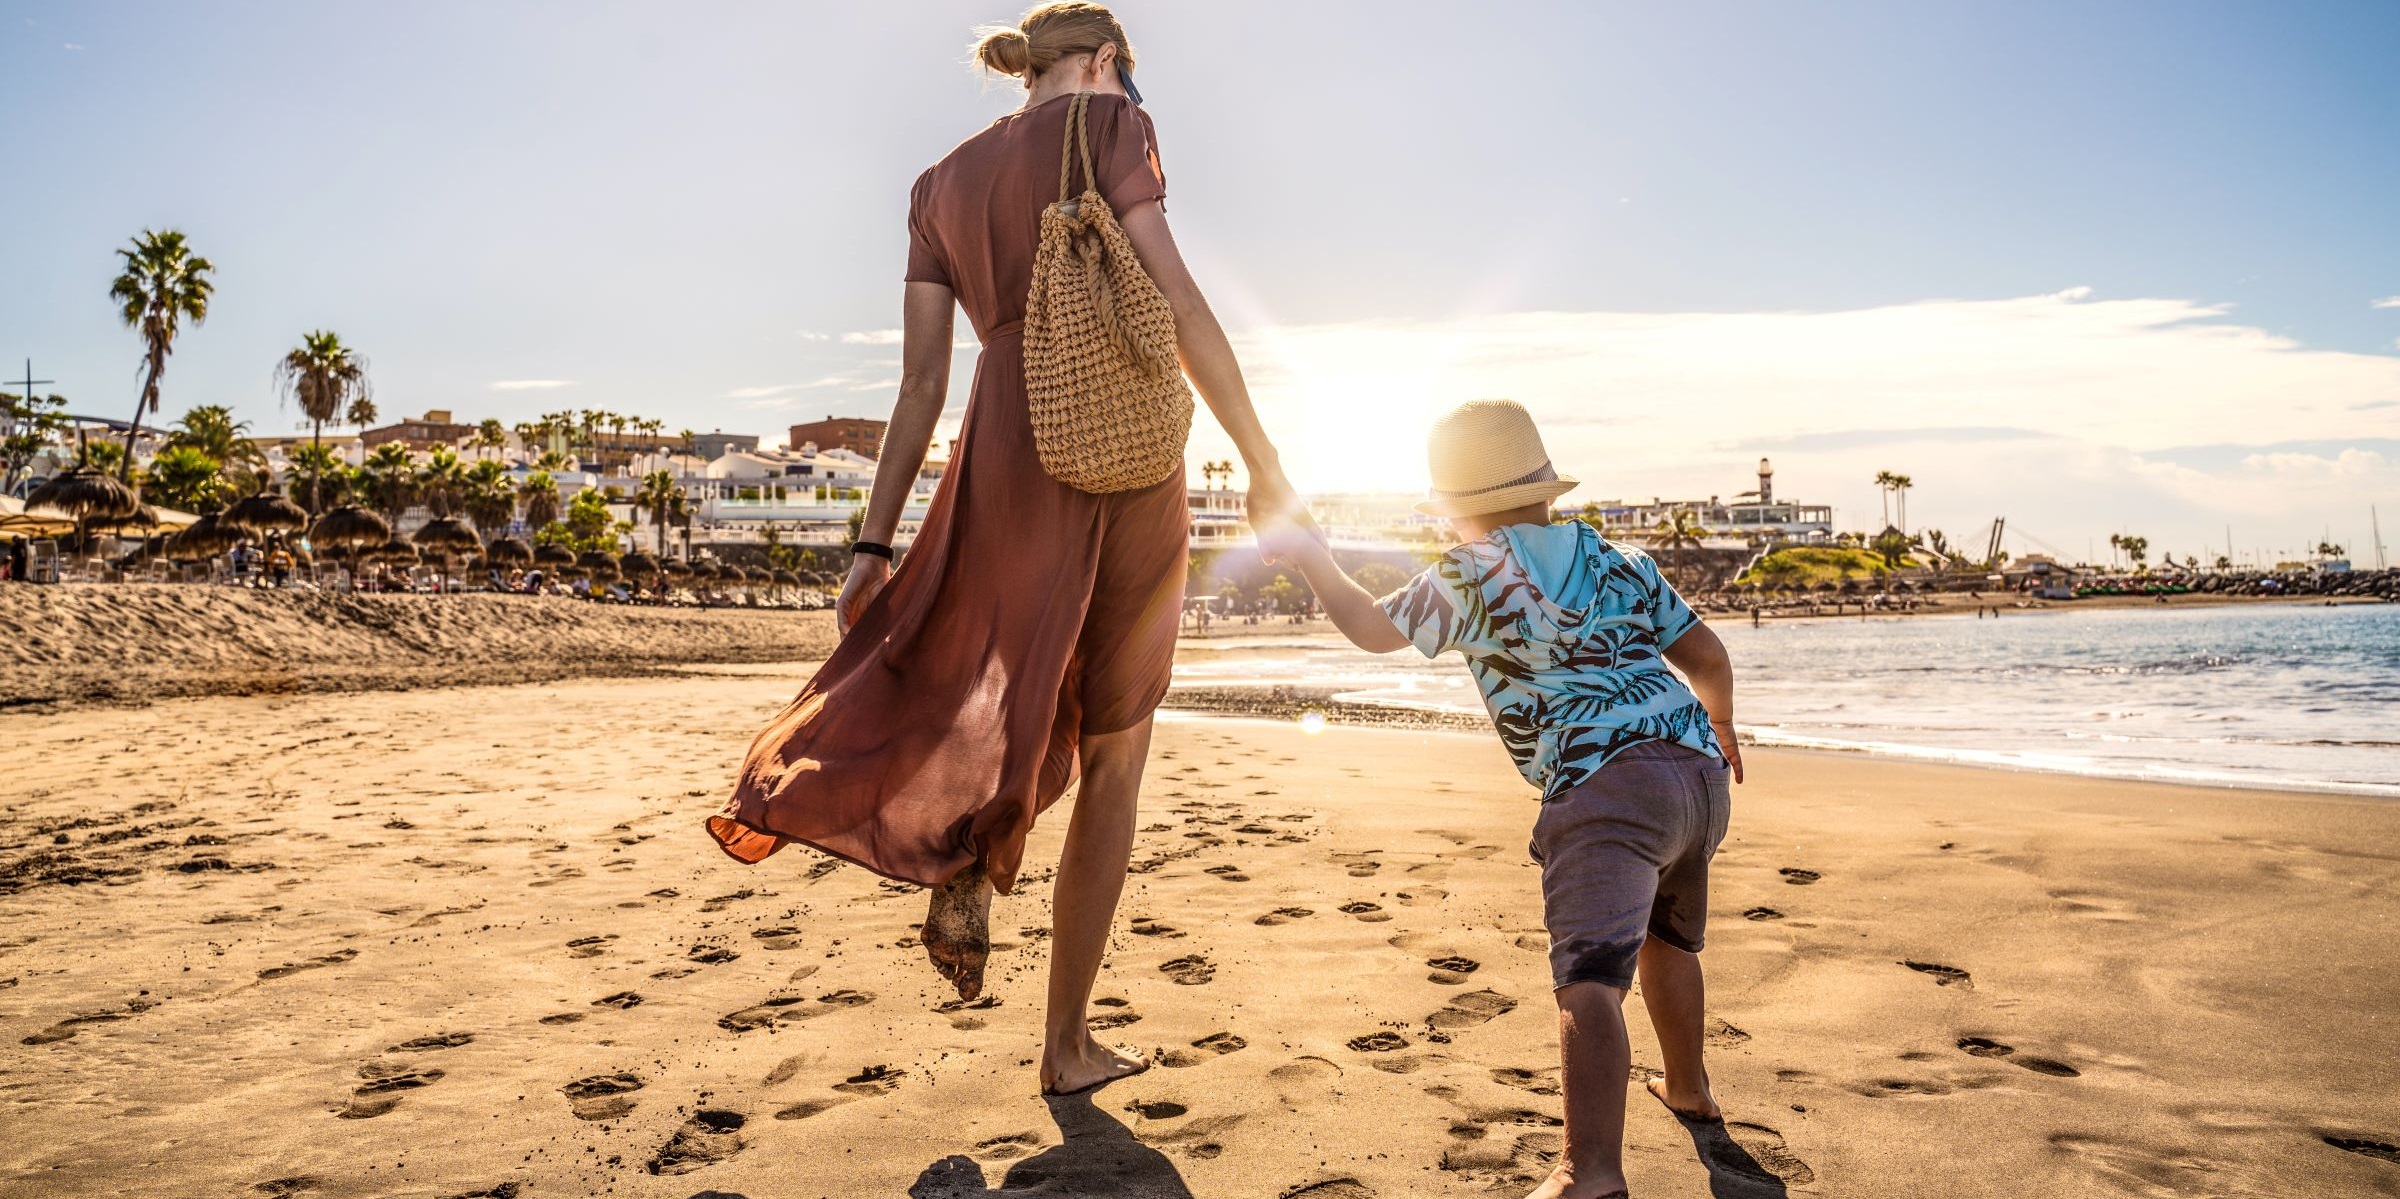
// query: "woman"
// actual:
[[1032, 629]]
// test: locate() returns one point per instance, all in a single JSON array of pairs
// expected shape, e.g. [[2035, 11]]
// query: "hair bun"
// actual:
[[1005, 49]]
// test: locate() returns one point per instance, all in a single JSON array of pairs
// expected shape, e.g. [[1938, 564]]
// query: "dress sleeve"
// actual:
[[1125, 153], [926, 263]]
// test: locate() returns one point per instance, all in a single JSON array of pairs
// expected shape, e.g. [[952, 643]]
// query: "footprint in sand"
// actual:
[[1509, 1164], [1753, 1153], [1284, 916], [711, 954], [1471, 1009], [776, 938], [1722, 1035], [446, 1040], [67, 1028], [602, 1096], [810, 1107], [1214, 1045], [1156, 1109], [1336, 1188], [1007, 1147], [620, 1001], [1304, 1081], [1415, 896], [1230, 874], [562, 1018], [1798, 877], [1986, 1047], [279, 1188], [1189, 971], [1761, 914], [791, 1009], [1379, 1042], [336, 958], [1357, 865], [874, 1080], [710, 1136], [1118, 1016], [380, 1092], [2379, 1150], [1144, 926], [1943, 976], [1540, 1082], [1451, 971], [1369, 912], [589, 947]]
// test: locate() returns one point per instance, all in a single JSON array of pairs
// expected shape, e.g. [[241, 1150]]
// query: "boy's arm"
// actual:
[[1354, 611], [1709, 670]]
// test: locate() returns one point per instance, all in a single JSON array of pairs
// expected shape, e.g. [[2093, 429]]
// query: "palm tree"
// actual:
[[539, 494], [487, 498], [1900, 485], [657, 497], [327, 378], [187, 477], [390, 479], [490, 436], [361, 413], [441, 481], [1678, 532], [211, 429], [163, 285], [1885, 481]]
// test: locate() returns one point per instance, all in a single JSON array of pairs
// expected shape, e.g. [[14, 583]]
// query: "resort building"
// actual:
[[715, 444], [856, 434], [420, 434], [1750, 516]]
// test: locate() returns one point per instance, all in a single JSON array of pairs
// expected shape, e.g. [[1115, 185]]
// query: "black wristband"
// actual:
[[876, 548]]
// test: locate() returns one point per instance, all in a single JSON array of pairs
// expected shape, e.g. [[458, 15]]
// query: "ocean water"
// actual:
[[2281, 696]]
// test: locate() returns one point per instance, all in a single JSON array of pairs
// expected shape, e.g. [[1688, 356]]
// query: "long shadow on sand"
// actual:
[[1098, 1157]]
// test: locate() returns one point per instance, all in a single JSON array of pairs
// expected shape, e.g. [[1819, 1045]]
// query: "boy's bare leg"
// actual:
[[1091, 876], [1595, 1059], [1677, 997]]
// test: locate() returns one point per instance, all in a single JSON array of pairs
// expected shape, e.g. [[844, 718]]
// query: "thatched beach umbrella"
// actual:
[[730, 573], [266, 513], [446, 536], [206, 538], [508, 551], [84, 495], [704, 572], [785, 578], [639, 564], [398, 551], [676, 568], [350, 527], [554, 556], [601, 567]]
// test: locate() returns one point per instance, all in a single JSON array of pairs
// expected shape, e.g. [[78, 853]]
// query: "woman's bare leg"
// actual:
[[1091, 875]]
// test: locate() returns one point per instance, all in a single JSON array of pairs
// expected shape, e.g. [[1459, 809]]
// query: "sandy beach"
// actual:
[[472, 941]]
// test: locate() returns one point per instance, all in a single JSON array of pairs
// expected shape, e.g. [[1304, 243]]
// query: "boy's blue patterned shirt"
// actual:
[[1565, 633]]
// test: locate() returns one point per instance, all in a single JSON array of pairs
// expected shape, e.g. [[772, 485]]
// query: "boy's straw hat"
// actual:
[[1486, 456]]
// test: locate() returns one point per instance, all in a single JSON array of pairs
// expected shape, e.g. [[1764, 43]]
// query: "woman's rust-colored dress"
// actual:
[[1027, 614]]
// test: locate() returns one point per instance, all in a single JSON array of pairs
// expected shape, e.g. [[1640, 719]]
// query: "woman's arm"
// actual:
[[1208, 355], [927, 315]]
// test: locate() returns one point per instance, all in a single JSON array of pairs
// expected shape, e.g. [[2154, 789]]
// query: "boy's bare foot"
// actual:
[[1563, 1184], [1086, 1064], [957, 932], [1699, 1107]]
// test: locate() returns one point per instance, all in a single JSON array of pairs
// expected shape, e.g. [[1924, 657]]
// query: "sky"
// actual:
[[2095, 268]]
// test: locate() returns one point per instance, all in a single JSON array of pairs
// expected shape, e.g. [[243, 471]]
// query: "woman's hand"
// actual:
[[868, 574]]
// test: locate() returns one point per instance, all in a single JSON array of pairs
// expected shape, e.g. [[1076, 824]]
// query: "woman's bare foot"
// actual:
[[1699, 1107], [1086, 1064], [958, 929], [1563, 1184]]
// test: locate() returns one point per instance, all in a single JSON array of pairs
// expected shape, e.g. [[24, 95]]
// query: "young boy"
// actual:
[[1570, 638]]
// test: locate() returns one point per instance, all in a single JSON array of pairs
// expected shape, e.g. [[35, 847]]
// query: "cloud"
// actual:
[[752, 393], [872, 337], [2386, 302], [531, 384], [2060, 411], [74, 46]]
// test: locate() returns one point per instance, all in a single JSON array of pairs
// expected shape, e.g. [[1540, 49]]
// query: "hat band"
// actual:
[[1544, 473]]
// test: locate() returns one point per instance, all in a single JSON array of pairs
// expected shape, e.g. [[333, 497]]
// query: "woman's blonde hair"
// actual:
[[1047, 33]]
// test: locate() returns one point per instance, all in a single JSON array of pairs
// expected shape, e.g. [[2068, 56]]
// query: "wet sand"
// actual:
[[450, 942]]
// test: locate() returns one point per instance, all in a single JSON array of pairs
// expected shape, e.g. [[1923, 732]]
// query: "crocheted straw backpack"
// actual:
[[1110, 407]]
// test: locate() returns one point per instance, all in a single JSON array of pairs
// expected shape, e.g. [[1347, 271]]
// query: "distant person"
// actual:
[[19, 557], [1032, 628], [1570, 636], [279, 564]]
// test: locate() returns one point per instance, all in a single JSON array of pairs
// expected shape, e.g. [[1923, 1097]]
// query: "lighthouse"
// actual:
[[1766, 482]]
